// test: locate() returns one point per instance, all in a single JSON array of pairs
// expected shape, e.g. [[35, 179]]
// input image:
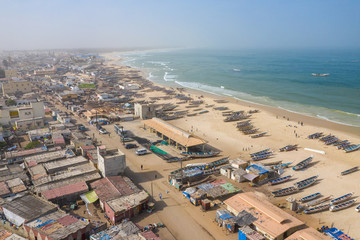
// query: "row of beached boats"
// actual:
[[290, 190], [261, 155], [333, 140], [199, 154], [236, 116], [247, 128], [336, 204]]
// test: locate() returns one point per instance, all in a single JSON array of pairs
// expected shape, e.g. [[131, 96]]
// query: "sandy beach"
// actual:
[[282, 128]]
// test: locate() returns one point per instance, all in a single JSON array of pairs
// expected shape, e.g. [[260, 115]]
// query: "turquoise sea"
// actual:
[[277, 78]]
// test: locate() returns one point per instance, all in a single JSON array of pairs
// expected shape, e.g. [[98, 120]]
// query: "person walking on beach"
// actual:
[[160, 196], [142, 167]]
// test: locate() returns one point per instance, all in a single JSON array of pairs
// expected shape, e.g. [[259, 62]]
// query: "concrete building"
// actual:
[[47, 157], [5, 235], [12, 157], [57, 226], [273, 222], [65, 194], [11, 73], [308, 234], [63, 164], [175, 136], [144, 111], [112, 163], [25, 116], [26, 208], [16, 87]]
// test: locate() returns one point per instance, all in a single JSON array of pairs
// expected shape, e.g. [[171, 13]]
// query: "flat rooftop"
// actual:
[[46, 157], [64, 163], [124, 203]]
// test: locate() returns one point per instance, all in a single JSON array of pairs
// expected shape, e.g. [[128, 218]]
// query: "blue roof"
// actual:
[[257, 169]]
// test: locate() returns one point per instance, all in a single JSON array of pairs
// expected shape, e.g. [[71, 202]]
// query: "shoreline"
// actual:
[[354, 131]]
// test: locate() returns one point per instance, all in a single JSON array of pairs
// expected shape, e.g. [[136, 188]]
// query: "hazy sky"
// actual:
[[32, 24]]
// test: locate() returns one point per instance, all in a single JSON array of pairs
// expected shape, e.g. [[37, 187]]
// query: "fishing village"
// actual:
[[91, 149]]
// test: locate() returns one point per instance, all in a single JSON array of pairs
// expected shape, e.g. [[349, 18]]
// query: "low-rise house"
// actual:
[[13, 157], [16, 185], [38, 134], [12, 171], [26, 209], [57, 226], [308, 234], [5, 235], [273, 222], [65, 194], [31, 161], [120, 197], [58, 139], [4, 190]]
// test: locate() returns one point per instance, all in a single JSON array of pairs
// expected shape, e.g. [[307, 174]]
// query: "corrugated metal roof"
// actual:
[[178, 135], [79, 187], [4, 189]]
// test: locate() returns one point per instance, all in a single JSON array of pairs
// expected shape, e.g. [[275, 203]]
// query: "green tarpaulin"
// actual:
[[157, 150]]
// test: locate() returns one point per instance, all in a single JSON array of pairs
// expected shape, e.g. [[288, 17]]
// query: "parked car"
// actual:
[[141, 151], [102, 131], [130, 145]]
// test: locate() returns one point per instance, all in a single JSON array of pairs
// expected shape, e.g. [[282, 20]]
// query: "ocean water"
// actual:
[[276, 78]]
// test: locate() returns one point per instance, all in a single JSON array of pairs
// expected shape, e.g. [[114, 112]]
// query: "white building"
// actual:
[[144, 111], [112, 163]]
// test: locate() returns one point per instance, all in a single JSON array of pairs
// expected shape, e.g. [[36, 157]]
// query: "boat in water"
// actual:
[[279, 180], [317, 209], [320, 74], [310, 197], [342, 205], [236, 70], [341, 199], [303, 164]]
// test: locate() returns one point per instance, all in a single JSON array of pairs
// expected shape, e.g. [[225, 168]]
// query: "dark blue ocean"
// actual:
[[277, 78]]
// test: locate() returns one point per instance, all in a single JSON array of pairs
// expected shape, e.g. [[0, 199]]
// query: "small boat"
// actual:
[[315, 135], [211, 105], [331, 141], [317, 209], [279, 180], [303, 164], [261, 157], [202, 112], [288, 148], [341, 199], [320, 74], [327, 137], [262, 151], [357, 208], [253, 111], [236, 70], [284, 165], [285, 191], [244, 124], [310, 197], [351, 170], [259, 135], [342, 205], [342, 146], [340, 143], [318, 201], [199, 154], [306, 180], [352, 148], [191, 114], [250, 131], [306, 184]]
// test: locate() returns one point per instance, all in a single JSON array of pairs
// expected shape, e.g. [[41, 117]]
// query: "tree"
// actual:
[[32, 145], [10, 102]]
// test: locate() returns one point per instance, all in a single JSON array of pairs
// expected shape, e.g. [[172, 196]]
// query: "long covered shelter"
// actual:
[[174, 136]]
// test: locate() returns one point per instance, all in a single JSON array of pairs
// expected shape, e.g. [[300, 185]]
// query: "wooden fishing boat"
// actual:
[[199, 154], [315, 135], [244, 125], [327, 137], [272, 163], [331, 141], [253, 111], [243, 122], [288, 148], [352, 148], [284, 165], [251, 131], [261, 157], [341, 199], [285, 191], [202, 112], [317, 209], [351, 170], [306, 184], [357, 208], [259, 135], [318, 201], [342, 205], [310, 197], [191, 114], [279, 180], [246, 128], [262, 151], [306, 180], [342, 146], [211, 105], [303, 164], [340, 143]]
